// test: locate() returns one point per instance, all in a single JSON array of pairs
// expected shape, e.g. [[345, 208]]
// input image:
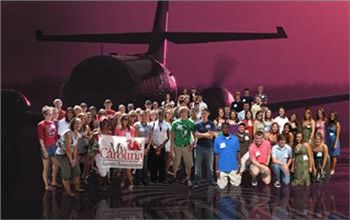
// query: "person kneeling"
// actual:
[[259, 155], [281, 160], [226, 149]]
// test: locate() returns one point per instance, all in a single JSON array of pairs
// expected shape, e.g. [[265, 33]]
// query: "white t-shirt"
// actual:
[[62, 126], [160, 133], [281, 122], [202, 105]]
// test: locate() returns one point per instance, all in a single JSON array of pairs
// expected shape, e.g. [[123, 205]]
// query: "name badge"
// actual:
[[319, 154], [243, 100], [246, 138], [235, 105], [305, 157], [257, 154], [222, 145], [285, 156], [331, 134], [309, 126], [207, 127]]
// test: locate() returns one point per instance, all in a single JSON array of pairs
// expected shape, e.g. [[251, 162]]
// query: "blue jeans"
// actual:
[[200, 153], [277, 170]]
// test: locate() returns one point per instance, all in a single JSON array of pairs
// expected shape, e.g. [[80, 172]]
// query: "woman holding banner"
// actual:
[[126, 130]]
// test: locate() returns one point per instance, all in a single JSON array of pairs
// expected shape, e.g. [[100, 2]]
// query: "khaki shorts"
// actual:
[[264, 173], [186, 154], [68, 172], [235, 179]]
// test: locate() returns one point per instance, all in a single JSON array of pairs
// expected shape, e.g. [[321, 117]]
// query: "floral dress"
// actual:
[[301, 166]]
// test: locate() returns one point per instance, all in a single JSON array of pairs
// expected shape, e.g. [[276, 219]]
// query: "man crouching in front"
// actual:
[[226, 149]]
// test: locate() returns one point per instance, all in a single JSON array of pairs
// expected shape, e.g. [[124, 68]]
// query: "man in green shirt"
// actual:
[[182, 129]]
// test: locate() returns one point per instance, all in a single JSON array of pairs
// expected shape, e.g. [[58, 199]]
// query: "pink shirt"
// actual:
[[124, 132], [261, 153]]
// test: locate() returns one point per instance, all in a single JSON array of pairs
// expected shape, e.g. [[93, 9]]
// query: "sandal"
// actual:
[[79, 190], [50, 188], [56, 185]]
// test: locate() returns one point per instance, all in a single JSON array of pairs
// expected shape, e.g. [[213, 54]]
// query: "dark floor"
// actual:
[[26, 199]]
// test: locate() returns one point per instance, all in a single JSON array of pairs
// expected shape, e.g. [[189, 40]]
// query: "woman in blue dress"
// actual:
[[332, 139]]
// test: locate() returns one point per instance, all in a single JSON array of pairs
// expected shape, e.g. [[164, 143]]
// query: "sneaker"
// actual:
[[277, 184], [189, 183], [254, 183], [131, 187]]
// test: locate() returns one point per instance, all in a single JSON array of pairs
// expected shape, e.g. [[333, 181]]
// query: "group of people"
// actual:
[[243, 137]]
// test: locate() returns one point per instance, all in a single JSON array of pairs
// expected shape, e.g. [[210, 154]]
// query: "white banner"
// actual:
[[119, 152]]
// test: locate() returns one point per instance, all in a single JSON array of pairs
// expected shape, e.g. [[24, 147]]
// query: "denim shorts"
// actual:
[[51, 149]]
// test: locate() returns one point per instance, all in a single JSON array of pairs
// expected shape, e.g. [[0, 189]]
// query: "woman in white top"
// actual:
[[267, 121], [67, 156], [63, 124]]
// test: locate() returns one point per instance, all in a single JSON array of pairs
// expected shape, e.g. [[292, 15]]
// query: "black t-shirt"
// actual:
[[202, 127], [237, 106], [248, 99]]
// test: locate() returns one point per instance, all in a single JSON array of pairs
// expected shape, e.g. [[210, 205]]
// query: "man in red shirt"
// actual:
[[47, 134], [58, 104], [108, 107], [259, 155]]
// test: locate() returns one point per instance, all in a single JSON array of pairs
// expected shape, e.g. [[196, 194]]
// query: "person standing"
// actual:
[[262, 95], [295, 123], [227, 157], [281, 119], [308, 126], [267, 121], [259, 122], [143, 129], [67, 156], [247, 98], [244, 141], [181, 131], [256, 106], [63, 124], [220, 119], [233, 121], [281, 161], [58, 104], [47, 135], [128, 131], [332, 139], [241, 114], [159, 142], [302, 162], [321, 121], [260, 155], [205, 131], [237, 105], [249, 123], [108, 107]]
